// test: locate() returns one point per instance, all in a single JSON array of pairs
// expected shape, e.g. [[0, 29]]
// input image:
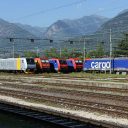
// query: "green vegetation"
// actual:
[[30, 54], [99, 77], [96, 75], [98, 53], [63, 53], [52, 53], [122, 48], [76, 75]]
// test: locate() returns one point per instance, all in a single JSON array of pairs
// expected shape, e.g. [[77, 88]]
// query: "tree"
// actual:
[[98, 53], [63, 53], [122, 48], [30, 54], [52, 53]]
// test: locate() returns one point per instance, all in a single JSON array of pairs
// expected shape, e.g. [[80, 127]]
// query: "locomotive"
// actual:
[[57, 65], [116, 65], [74, 64], [42, 64], [17, 65]]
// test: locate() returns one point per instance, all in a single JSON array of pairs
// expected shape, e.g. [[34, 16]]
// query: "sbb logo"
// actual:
[[100, 65]]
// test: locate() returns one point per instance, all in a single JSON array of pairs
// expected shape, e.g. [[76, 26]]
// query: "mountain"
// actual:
[[37, 31], [113, 29], [82, 26], [118, 26], [125, 10], [120, 22], [12, 30]]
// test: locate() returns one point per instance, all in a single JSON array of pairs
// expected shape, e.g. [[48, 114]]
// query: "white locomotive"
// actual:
[[17, 64]]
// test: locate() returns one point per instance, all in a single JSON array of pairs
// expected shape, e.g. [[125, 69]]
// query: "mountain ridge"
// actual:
[[35, 30], [8, 29], [85, 25]]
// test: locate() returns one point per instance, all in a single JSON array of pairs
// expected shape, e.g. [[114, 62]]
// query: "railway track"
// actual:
[[66, 102], [122, 91], [104, 100], [79, 93]]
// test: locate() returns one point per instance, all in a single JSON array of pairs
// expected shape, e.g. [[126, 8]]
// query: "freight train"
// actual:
[[115, 65], [17, 65]]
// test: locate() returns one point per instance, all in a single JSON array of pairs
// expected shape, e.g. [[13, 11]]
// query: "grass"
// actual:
[[96, 75], [91, 76], [79, 75]]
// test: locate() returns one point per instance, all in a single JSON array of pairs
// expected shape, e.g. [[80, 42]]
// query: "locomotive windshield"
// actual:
[[78, 62], [30, 61], [45, 61], [62, 61]]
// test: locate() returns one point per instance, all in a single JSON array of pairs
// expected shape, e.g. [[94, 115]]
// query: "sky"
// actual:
[[43, 13]]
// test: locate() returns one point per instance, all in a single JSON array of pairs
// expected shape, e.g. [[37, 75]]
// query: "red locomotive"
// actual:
[[42, 64]]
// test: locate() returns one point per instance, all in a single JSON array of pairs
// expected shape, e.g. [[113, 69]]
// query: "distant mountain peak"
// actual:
[[8, 29], [122, 12], [37, 31], [67, 27]]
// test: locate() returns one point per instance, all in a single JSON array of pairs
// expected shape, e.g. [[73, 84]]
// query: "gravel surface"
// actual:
[[110, 93], [95, 116]]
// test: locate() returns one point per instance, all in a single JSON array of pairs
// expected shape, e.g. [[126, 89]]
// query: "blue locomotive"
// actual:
[[74, 64], [106, 64]]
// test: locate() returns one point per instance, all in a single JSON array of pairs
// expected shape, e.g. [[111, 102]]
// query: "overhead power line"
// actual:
[[52, 9]]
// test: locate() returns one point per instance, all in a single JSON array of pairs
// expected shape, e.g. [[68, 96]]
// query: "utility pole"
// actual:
[[84, 51], [13, 50], [60, 52], [37, 52], [13, 47], [110, 49]]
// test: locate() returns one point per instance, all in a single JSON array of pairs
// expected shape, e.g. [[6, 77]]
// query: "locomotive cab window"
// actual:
[[30, 61], [79, 62], [62, 61], [47, 61], [43, 61]]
